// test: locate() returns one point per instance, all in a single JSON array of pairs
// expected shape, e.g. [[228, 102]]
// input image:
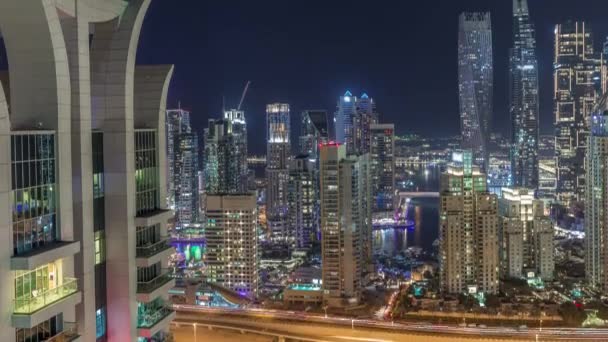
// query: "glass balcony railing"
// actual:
[[151, 249], [149, 286], [149, 319], [37, 300], [69, 333], [160, 336]]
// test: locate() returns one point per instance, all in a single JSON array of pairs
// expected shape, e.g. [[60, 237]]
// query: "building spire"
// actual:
[[520, 7]]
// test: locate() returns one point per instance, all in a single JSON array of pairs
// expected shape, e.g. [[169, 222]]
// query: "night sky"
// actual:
[[307, 53]]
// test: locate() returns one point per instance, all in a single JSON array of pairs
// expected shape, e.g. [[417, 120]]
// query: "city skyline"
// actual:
[[303, 79]]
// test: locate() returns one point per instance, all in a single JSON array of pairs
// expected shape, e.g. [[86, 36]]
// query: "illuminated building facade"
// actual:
[[278, 155], [578, 84], [524, 106], [382, 158], [475, 83], [232, 242], [345, 224], [222, 172], [239, 132], [468, 229], [177, 122], [353, 119], [526, 236], [596, 198], [314, 131], [302, 196], [343, 120]]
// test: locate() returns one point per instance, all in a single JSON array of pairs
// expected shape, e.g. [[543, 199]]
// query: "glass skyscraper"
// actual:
[[578, 83], [524, 107], [475, 83]]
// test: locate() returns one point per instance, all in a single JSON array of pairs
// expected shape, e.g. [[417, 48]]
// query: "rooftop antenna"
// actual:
[[243, 96], [223, 104]]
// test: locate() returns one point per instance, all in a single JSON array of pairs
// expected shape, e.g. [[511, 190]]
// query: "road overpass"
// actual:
[[301, 326], [416, 194]]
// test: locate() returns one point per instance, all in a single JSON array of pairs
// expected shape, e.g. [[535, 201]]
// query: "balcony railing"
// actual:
[[149, 286], [162, 336], [37, 300], [151, 249], [69, 333], [149, 319]]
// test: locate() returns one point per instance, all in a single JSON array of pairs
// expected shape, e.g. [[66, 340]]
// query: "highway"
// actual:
[[314, 327]]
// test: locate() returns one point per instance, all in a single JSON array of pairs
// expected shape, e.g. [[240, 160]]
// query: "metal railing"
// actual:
[[37, 300], [149, 286], [69, 333], [150, 319], [151, 249]]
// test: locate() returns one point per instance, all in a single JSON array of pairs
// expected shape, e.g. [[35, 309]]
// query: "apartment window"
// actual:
[[146, 172], [100, 247], [33, 173], [100, 322], [42, 331]]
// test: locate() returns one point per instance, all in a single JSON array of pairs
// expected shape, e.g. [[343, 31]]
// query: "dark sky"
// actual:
[[307, 53]]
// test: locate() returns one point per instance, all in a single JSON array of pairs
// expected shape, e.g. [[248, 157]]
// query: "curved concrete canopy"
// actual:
[[94, 10], [151, 87]]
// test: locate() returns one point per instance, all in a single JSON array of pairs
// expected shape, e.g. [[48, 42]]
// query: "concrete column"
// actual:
[[76, 32], [112, 74]]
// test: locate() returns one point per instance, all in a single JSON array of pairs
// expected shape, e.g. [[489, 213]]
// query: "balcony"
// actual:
[[154, 252], [149, 324], [37, 307], [159, 216], [148, 291], [45, 255], [69, 333], [161, 336]]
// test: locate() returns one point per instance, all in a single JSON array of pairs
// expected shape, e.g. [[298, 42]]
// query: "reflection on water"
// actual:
[[424, 212]]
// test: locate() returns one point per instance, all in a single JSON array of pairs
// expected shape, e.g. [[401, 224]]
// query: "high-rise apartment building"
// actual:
[[314, 131], [596, 198], [232, 242], [183, 167], [475, 83], [177, 122], [468, 231], [70, 186], [239, 132], [353, 119], [345, 224], [221, 166], [382, 159], [302, 196], [278, 154], [526, 236], [578, 84], [365, 117], [524, 107]]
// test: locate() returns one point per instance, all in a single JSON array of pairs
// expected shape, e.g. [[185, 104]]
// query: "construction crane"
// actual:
[[243, 96]]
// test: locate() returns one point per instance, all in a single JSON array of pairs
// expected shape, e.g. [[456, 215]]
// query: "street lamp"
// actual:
[[352, 322], [325, 308]]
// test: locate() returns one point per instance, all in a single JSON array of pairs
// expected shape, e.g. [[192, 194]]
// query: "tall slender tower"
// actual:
[[475, 83], [345, 223], [524, 105], [578, 83], [278, 154], [382, 158], [239, 131], [365, 116], [596, 198]]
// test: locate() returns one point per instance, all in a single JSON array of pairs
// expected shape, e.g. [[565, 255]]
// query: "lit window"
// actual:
[[100, 247], [100, 322]]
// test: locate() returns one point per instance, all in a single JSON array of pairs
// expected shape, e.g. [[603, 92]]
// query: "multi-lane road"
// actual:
[[314, 327]]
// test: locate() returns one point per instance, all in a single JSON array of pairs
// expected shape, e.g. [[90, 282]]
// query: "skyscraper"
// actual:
[[475, 83], [278, 154], [524, 106], [596, 198], [578, 84], [468, 229], [222, 171], [526, 235], [345, 224], [232, 242], [314, 131], [70, 187], [239, 132], [183, 167], [366, 116], [302, 196], [343, 120], [382, 158]]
